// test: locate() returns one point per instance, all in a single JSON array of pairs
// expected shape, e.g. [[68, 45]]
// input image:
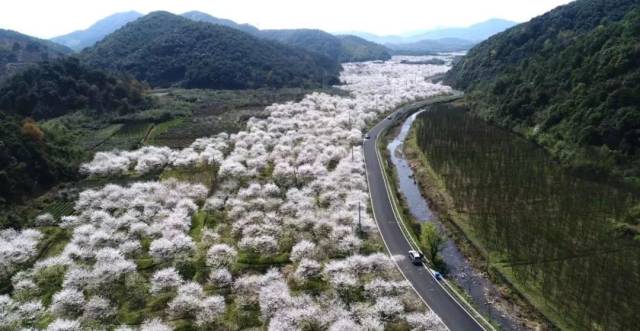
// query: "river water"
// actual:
[[482, 291]]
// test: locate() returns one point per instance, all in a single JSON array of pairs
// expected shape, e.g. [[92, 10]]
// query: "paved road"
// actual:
[[437, 298]]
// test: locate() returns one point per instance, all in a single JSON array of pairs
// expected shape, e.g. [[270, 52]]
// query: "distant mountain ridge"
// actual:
[[474, 33], [170, 50], [339, 48], [441, 39], [18, 51], [81, 39]]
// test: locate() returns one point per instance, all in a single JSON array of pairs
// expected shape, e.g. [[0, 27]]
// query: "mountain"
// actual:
[[570, 80], [169, 50], [341, 49], [431, 46], [81, 39], [474, 33], [203, 17], [18, 51]]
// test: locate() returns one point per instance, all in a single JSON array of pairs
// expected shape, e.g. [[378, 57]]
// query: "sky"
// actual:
[[50, 18]]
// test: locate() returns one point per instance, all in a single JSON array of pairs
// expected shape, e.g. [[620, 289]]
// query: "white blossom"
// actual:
[[212, 308], [67, 302], [64, 325], [98, 308], [155, 325], [221, 255], [165, 279]]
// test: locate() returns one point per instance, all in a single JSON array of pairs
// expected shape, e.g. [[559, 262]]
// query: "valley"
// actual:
[[162, 168]]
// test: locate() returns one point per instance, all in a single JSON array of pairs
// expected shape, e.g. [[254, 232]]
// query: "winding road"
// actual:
[[436, 294]]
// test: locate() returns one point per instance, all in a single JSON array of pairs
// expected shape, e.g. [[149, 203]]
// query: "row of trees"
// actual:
[[557, 233]]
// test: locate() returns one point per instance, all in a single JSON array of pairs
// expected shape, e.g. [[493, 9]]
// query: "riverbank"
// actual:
[[466, 274]]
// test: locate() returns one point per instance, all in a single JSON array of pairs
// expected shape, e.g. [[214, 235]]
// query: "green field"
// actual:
[[569, 245]]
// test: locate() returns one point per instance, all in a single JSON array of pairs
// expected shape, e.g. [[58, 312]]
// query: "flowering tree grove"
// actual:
[[284, 249]]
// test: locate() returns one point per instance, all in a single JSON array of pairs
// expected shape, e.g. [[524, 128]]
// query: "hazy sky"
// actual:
[[49, 18]]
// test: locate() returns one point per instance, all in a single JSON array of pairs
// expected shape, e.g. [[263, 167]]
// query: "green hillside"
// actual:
[[169, 50], [570, 80], [34, 157], [56, 88]]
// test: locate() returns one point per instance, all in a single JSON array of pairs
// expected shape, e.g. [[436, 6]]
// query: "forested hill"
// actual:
[[570, 80], [55, 88], [33, 158], [18, 51], [169, 50]]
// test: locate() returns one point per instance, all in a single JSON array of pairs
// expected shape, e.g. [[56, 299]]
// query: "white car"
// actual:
[[415, 257]]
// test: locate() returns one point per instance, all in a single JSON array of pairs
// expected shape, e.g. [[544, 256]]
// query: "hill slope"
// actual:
[[165, 49], [81, 39], [569, 79], [18, 51], [33, 158]]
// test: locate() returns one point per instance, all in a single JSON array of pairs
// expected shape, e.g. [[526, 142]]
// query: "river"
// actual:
[[482, 291]]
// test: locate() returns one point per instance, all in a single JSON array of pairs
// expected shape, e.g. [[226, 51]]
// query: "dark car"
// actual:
[[437, 275]]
